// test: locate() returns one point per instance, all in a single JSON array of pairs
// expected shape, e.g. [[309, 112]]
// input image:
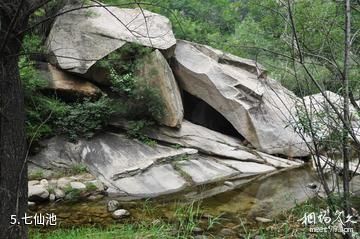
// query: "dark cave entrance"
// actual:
[[201, 113]]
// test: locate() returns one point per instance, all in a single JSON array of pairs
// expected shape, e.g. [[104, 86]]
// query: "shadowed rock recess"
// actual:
[[225, 122]]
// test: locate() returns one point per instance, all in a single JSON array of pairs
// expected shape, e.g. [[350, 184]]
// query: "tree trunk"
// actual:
[[347, 125], [13, 175], [13, 169]]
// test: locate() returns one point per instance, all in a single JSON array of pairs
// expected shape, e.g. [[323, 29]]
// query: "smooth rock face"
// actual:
[[79, 38], [259, 108], [206, 170], [249, 167], [33, 182], [121, 213], [62, 183], [67, 85], [59, 193], [77, 185], [158, 180], [38, 193], [157, 72]]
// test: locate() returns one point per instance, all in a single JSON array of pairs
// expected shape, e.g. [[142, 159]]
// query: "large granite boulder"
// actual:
[[80, 37], [156, 71], [259, 108], [66, 85]]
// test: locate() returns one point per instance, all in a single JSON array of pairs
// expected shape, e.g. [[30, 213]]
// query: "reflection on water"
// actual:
[[266, 197]]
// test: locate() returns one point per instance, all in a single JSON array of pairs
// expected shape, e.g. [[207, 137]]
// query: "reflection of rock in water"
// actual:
[[267, 197], [355, 185], [279, 193]]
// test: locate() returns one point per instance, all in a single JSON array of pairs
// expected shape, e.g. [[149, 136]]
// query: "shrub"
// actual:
[[141, 99], [36, 175], [137, 130], [84, 119], [49, 115], [72, 194], [90, 187]]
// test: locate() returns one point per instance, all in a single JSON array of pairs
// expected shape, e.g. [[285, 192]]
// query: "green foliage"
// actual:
[[137, 129], [37, 107], [122, 83], [213, 221], [181, 157], [84, 119], [259, 29], [145, 102], [123, 231], [78, 169], [37, 175], [256, 29], [32, 44], [74, 169], [72, 194], [48, 115], [90, 187], [176, 146], [140, 99], [187, 217]]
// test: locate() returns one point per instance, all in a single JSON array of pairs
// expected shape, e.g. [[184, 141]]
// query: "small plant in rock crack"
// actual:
[[181, 157], [36, 175], [90, 187], [72, 194], [136, 130], [176, 146]]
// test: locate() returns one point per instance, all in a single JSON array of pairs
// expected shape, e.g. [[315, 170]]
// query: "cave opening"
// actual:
[[201, 113]]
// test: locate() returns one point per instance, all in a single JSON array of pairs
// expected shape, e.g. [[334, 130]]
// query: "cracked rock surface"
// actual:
[[96, 33], [132, 169], [258, 107]]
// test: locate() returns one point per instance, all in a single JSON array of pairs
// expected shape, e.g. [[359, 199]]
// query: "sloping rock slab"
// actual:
[[205, 140], [158, 180], [111, 157], [133, 170], [204, 171], [249, 167], [157, 72], [214, 143], [259, 108], [80, 37]]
